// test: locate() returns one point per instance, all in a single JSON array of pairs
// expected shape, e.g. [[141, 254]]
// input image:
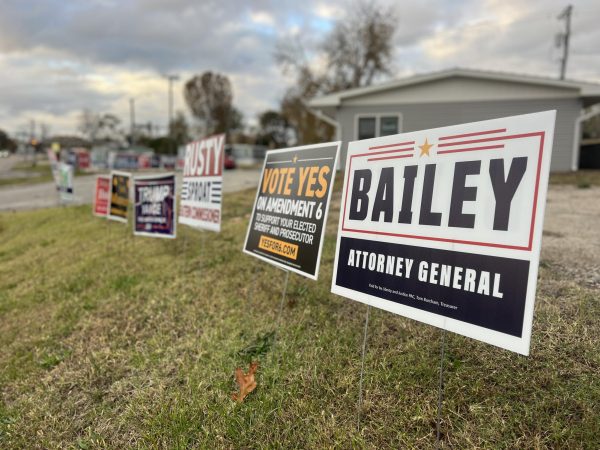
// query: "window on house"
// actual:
[[388, 125], [366, 127]]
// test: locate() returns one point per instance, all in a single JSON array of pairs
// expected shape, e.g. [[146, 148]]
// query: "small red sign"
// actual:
[[102, 196]]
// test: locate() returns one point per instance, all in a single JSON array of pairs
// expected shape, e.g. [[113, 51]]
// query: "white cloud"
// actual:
[[59, 57], [262, 18]]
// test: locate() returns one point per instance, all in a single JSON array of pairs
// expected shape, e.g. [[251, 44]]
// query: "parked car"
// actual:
[[229, 162], [4, 153]]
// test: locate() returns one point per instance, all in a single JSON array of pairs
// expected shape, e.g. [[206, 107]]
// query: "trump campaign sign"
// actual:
[[154, 206], [201, 191], [290, 210], [444, 226]]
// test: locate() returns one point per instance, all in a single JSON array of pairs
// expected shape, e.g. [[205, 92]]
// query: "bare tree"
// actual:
[[359, 48], [357, 52], [89, 124], [209, 97], [275, 130], [180, 129], [100, 127]]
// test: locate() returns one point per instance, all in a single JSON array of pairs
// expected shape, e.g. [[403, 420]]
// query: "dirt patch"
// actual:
[[571, 237]]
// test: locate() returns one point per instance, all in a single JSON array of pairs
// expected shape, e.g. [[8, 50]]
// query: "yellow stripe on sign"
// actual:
[[278, 247]]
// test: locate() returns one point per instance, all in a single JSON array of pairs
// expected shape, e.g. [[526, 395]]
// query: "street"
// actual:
[[44, 195]]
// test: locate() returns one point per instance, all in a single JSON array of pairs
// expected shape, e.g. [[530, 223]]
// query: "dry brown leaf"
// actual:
[[246, 382]]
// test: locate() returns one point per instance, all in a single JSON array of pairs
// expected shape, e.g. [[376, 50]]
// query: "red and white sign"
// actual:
[[444, 225], [102, 196], [201, 192]]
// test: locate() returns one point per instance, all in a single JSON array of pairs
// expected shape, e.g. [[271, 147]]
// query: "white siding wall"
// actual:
[[432, 115]]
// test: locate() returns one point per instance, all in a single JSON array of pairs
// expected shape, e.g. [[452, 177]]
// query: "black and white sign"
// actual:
[[444, 225], [202, 189], [290, 211]]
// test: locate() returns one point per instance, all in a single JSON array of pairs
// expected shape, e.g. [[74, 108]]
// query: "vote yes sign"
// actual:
[[444, 225], [290, 211]]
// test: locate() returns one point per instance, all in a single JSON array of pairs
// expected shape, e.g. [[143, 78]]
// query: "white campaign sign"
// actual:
[[444, 225], [65, 182], [202, 188]]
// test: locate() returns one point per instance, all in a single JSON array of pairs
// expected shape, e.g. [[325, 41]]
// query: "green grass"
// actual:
[[40, 173], [582, 178], [110, 341]]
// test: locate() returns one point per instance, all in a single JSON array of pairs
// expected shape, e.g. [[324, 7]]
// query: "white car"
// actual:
[[4, 153]]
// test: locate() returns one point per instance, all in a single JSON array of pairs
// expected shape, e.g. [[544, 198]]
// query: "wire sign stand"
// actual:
[[440, 391], [362, 366]]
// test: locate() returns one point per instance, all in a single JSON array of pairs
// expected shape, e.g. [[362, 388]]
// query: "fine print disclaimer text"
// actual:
[[412, 296]]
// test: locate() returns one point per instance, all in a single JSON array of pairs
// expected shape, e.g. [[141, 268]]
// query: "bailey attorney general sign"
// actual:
[[444, 225]]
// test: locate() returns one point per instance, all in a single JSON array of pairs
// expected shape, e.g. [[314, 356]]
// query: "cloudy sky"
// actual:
[[58, 57]]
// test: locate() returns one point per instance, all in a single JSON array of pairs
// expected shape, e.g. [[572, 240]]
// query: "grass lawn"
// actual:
[[40, 173], [110, 341]]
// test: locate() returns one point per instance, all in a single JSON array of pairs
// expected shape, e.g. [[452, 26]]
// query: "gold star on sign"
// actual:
[[295, 158], [425, 148]]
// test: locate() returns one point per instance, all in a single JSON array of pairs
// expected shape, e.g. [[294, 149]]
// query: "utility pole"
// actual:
[[562, 39], [32, 142], [132, 120], [171, 78]]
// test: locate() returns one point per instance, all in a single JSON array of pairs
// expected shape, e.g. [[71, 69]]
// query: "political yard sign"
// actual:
[[119, 195], [154, 206], [101, 196], [290, 210], [444, 226], [65, 182], [203, 183]]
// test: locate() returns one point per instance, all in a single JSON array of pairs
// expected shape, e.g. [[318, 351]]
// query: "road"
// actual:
[[44, 195]]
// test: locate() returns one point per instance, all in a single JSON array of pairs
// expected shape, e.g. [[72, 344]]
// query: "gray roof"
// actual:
[[585, 89]]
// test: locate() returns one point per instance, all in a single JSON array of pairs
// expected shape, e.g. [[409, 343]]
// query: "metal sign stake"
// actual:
[[362, 365], [279, 314], [253, 277], [440, 389]]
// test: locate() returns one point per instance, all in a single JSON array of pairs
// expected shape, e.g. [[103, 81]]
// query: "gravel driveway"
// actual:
[[571, 237]]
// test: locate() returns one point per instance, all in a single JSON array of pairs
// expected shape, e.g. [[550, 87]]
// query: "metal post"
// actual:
[[280, 313], [108, 236], [203, 248], [362, 365], [564, 39], [254, 277], [170, 78], [132, 120], [440, 389]]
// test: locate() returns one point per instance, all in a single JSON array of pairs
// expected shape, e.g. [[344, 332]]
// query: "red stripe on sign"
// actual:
[[438, 239], [537, 186], [392, 145], [479, 133], [497, 138], [389, 157], [398, 150], [472, 149]]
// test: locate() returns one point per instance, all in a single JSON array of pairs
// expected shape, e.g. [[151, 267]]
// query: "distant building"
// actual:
[[246, 154], [457, 96]]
